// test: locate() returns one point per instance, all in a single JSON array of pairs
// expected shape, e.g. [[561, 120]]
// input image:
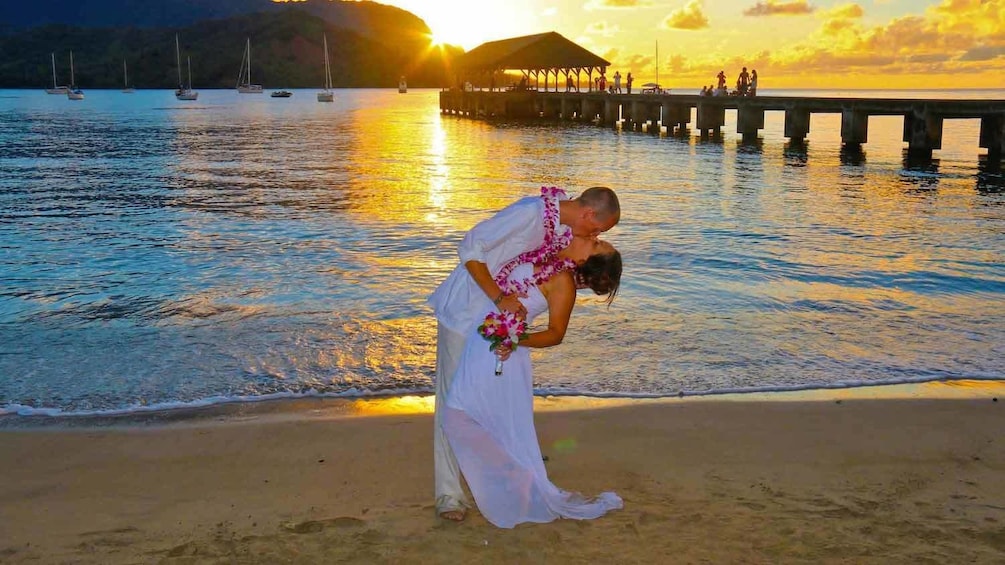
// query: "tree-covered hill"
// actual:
[[286, 52], [367, 18]]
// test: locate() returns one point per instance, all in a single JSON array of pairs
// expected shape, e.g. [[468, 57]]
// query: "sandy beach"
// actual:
[[824, 477]]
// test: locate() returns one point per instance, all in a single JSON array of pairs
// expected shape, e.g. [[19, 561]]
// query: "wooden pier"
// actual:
[[923, 119]]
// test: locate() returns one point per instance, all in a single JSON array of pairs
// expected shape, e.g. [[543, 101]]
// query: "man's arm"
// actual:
[[483, 278], [506, 232]]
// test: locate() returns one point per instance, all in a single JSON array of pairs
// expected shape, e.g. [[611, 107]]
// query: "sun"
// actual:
[[452, 23], [450, 28]]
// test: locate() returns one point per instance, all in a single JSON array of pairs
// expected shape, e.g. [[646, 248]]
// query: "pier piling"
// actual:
[[797, 123], [854, 127], [992, 136], [711, 118], [922, 131], [749, 120]]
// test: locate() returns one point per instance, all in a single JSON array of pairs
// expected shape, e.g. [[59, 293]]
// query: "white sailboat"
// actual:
[[402, 85], [327, 95], [244, 85], [56, 89], [73, 93], [125, 80], [184, 93]]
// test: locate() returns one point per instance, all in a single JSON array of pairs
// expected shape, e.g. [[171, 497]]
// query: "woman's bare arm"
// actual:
[[560, 291]]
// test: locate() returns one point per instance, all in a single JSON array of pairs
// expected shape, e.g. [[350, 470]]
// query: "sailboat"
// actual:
[[244, 85], [73, 93], [327, 95], [56, 89], [402, 85], [125, 80], [183, 93]]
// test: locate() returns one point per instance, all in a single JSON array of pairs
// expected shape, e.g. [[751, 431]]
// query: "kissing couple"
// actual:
[[529, 258]]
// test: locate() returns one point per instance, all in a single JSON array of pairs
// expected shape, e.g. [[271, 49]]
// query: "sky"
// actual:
[[791, 43]]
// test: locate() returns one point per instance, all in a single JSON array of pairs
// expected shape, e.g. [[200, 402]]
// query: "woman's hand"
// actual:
[[503, 352]]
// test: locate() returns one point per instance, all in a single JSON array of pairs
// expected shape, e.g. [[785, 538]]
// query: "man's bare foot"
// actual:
[[453, 515]]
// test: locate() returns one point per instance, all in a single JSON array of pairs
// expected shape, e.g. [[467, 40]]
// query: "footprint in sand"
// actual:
[[315, 526]]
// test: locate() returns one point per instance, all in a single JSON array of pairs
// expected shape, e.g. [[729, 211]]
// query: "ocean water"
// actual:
[[156, 253]]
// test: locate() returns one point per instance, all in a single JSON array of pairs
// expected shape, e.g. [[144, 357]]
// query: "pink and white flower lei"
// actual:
[[545, 257]]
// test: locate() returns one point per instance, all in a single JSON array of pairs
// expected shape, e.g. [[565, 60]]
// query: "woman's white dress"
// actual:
[[489, 421]]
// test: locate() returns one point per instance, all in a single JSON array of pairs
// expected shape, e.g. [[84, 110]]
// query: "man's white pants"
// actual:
[[449, 493]]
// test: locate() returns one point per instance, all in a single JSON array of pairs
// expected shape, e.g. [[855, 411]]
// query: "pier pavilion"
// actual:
[[547, 58]]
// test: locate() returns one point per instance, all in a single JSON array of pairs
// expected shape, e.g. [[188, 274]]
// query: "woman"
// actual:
[[489, 419]]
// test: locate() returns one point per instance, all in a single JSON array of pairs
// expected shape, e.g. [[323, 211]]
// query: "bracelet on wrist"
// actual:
[[499, 298]]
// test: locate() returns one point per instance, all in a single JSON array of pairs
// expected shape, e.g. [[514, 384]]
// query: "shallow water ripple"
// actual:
[[155, 254]]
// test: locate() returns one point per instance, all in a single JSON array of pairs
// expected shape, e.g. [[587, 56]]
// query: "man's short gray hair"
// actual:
[[602, 200]]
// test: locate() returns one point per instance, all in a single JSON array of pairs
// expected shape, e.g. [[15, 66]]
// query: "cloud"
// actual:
[[637, 63], [602, 29], [690, 17], [943, 39], [845, 12], [615, 4], [776, 8], [548, 12], [953, 42], [983, 53]]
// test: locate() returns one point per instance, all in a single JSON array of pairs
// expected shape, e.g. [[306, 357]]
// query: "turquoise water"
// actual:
[[156, 253]]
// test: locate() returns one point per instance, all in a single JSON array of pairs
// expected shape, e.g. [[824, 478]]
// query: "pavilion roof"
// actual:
[[530, 52]]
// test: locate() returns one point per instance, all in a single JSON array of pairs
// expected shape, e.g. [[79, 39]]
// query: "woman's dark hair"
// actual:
[[601, 274]]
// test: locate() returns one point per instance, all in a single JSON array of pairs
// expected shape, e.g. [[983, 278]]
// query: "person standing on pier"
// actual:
[[617, 82], [471, 289], [722, 80], [628, 82], [742, 81], [752, 91]]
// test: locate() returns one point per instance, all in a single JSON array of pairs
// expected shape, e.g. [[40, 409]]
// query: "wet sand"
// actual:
[[859, 476]]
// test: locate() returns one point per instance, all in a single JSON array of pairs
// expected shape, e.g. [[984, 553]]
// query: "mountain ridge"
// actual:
[[286, 43]]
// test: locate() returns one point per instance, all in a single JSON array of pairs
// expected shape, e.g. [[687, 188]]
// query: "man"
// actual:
[[470, 291]]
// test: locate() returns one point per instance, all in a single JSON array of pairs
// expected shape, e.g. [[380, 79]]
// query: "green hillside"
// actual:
[[287, 52]]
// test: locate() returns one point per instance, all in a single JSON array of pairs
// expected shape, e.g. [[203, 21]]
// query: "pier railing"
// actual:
[[922, 118]]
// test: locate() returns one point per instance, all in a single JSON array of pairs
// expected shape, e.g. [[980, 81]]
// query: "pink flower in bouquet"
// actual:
[[502, 329]]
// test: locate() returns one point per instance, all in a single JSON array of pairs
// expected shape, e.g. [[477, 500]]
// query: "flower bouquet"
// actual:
[[502, 329]]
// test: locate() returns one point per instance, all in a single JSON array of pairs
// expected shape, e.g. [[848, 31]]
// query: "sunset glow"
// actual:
[[792, 43]]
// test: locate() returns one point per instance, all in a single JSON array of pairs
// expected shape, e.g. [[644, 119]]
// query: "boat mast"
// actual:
[[248, 47], [657, 63], [125, 75], [328, 72], [72, 82], [54, 70], [177, 58], [189, 72]]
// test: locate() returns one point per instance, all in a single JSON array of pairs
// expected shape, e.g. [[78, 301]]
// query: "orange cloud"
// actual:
[[984, 53], [690, 17], [845, 12], [956, 43], [775, 8], [955, 38], [603, 29], [615, 4]]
